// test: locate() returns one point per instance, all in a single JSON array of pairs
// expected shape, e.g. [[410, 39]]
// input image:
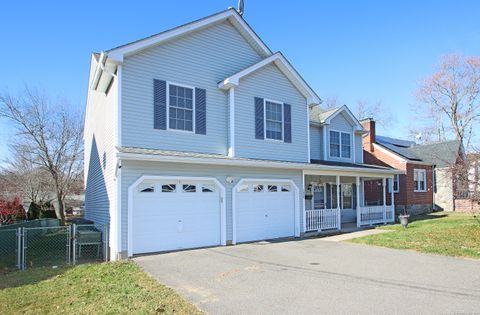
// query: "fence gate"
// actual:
[[46, 246]]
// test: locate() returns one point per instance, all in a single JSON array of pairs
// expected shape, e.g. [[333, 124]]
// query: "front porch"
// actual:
[[338, 202]]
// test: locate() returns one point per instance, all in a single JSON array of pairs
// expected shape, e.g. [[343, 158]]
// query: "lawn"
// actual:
[[107, 288], [451, 234]]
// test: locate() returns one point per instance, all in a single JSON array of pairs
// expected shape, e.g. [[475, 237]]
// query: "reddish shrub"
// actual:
[[11, 211]]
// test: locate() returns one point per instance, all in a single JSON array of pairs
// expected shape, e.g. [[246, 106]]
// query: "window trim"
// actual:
[[421, 171], [265, 100], [392, 184], [168, 106], [340, 143]]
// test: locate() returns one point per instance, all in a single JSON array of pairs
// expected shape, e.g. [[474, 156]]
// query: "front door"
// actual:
[[348, 212]]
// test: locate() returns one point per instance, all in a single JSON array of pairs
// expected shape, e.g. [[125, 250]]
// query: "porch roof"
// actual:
[[143, 154]]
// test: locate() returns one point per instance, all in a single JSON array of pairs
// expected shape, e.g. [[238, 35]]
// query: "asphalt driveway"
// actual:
[[317, 276]]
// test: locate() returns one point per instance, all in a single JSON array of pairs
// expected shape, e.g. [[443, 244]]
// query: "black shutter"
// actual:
[[200, 111], [287, 123], [159, 104], [259, 128]]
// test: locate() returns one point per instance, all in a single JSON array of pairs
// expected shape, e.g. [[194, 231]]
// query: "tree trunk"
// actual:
[[60, 208]]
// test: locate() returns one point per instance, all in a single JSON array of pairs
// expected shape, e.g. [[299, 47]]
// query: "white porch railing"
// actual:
[[369, 215], [322, 219]]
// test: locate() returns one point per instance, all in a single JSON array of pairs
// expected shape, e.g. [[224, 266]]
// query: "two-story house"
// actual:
[[202, 136]]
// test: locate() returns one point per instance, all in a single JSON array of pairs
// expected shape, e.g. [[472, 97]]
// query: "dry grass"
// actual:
[[108, 288], [448, 234]]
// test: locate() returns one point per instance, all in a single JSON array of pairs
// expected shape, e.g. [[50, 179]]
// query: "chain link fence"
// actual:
[[9, 247], [30, 247]]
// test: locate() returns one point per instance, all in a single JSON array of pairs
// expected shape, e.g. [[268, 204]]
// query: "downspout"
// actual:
[[434, 186]]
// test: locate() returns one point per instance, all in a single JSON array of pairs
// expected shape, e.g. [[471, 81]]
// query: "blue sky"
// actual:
[[354, 50]]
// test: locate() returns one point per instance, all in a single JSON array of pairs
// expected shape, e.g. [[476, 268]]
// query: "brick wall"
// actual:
[[414, 202]]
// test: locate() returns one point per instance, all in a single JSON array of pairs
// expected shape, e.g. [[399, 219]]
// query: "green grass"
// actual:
[[108, 288], [448, 234]]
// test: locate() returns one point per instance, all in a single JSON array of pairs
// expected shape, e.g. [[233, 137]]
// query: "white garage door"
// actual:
[[175, 214], [264, 210]]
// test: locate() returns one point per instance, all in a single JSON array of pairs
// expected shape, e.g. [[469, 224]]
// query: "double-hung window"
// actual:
[[273, 120], [420, 178], [180, 107], [340, 144], [395, 184]]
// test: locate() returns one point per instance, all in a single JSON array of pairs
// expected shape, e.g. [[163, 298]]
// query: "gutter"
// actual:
[[249, 163]]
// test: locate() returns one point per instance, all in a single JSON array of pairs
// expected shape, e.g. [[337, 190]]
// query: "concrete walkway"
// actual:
[[314, 276], [352, 235]]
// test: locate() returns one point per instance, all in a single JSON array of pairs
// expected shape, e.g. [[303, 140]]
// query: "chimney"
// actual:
[[368, 141]]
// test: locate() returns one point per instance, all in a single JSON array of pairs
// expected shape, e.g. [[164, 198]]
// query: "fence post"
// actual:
[[74, 243], [23, 255], [106, 243], [69, 245], [19, 248]]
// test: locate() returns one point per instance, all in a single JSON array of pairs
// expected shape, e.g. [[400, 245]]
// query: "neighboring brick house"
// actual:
[[427, 184]]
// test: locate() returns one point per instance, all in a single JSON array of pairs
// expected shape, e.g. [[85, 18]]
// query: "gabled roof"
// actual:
[[325, 116], [285, 67], [231, 15], [441, 154]]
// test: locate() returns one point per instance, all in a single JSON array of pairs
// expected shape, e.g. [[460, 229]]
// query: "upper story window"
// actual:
[[273, 120], [180, 107], [340, 144], [420, 178]]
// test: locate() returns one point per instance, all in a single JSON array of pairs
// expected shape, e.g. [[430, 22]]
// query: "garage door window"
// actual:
[[189, 188], [272, 188], [286, 188], [146, 188], [243, 188], [257, 188], [206, 188], [168, 188]]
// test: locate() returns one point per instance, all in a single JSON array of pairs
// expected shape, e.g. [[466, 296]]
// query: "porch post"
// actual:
[[304, 214], [384, 201], [393, 201], [358, 201], [339, 217]]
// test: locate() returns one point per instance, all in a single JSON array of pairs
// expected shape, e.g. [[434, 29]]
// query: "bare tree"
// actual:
[[452, 96], [30, 182], [49, 135]]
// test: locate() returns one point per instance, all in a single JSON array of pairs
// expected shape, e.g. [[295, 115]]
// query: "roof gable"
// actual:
[[325, 117], [285, 67], [231, 15]]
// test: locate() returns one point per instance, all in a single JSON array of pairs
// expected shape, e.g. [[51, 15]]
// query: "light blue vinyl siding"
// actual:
[[316, 143], [340, 123], [358, 149], [200, 59], [99, 153], [269, 83], [132, 170]]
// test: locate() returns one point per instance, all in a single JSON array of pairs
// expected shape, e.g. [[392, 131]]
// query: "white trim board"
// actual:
[[274, 180], [254, 163], [223, 211]]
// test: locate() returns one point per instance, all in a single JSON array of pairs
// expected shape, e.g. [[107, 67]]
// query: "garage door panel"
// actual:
[[264, 213], [176, 219]]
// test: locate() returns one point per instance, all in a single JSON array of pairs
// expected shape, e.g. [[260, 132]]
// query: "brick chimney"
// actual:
[[368, 141]]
